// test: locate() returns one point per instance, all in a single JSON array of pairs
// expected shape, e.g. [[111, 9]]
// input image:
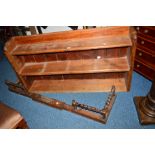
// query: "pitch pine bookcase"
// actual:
[[90, 60]]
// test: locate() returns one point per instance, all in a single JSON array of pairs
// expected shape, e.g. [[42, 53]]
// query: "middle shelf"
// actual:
[[119, 64]]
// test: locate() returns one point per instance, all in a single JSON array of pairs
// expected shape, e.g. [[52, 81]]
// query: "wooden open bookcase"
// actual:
[[89, 60]]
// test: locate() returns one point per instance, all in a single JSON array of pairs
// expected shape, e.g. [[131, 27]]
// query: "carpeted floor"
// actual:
[[123, 114]]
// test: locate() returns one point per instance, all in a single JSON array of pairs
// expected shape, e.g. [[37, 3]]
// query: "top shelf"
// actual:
[[72, 45], [78, 40]]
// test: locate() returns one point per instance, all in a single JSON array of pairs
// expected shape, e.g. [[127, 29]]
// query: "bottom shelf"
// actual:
[[78, 85]]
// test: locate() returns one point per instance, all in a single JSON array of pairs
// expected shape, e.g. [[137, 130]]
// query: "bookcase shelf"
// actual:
[[75, 67], [72, 45], [74, 61], [74, 85]]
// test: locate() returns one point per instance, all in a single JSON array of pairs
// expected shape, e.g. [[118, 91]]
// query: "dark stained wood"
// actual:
[[29, 58], [146, 43], [107, 75], [144, 69], [145, 52], [146, 106], [147, 31], [145, 57], [143, 118]]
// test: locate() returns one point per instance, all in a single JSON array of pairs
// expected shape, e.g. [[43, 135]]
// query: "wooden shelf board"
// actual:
[[76, 66], [72, 45], [76, 85]]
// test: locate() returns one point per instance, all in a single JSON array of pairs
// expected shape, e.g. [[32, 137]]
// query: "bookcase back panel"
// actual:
[[77, 76]]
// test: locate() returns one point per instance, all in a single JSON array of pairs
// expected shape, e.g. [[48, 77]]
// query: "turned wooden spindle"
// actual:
[[146, 106]]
